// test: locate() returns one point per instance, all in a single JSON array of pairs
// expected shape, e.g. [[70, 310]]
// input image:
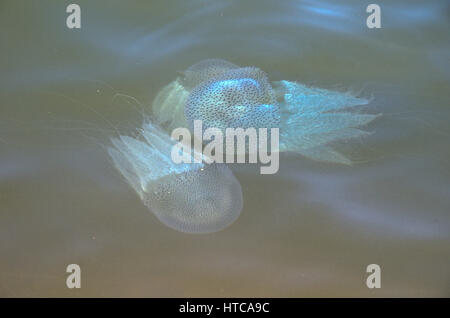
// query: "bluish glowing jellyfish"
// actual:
[[241, 97], [193, 198], [312, 118], [223, 95]]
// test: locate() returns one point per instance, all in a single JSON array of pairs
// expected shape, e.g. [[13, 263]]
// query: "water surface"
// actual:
[[309, 230]]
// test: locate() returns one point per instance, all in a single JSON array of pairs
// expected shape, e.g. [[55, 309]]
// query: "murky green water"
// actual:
[[309, 230]]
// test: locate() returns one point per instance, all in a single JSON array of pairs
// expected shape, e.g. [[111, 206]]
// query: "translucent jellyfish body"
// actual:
[[192, 198], [224, 95], [241, 97]]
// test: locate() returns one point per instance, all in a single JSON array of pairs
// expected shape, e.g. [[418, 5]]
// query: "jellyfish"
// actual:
[[224, 95], [187, 197]]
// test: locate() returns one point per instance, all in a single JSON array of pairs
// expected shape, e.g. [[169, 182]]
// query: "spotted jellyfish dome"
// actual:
[[240, 97], [197, 201]]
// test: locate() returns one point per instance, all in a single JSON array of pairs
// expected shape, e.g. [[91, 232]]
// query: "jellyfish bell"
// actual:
[[196, 201], [191, 198], [241, 97]]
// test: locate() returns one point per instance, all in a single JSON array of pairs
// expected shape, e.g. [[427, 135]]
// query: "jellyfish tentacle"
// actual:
[[168, 105], [298, 97], [302, 143], [312, 118], [326, 154]]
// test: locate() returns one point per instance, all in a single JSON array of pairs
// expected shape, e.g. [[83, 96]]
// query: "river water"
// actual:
[[309, 230]]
